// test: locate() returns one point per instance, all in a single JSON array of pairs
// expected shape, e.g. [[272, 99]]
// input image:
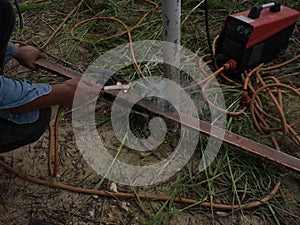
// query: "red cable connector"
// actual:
[[230, 65], [245, 100]]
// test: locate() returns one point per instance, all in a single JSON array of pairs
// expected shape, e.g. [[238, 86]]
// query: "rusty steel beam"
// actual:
[[54, 68], [244, 144]]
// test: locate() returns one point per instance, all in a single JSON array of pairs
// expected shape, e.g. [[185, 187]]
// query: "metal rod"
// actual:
[[171, 18], [244, 144], [171, 13]]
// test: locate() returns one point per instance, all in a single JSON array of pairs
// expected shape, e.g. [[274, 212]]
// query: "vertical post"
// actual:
[[171, 12]]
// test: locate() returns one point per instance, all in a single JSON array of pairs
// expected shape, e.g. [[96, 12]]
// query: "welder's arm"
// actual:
[[62, 94], [59, 94]]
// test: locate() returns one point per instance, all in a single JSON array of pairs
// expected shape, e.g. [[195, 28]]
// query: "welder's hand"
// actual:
[[27, 55], [79, 92]]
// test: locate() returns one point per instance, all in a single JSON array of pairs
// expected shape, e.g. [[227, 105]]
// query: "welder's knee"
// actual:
[[13, 136]]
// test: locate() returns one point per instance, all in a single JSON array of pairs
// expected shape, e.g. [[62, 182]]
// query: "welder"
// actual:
[[25, 107]]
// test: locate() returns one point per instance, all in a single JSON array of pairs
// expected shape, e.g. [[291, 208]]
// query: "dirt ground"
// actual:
[[21, 200]]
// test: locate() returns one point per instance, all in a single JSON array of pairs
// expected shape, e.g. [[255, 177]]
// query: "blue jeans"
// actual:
[[12, 135]]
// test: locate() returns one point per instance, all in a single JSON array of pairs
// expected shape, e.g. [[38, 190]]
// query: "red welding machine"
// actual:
[[256, 36]]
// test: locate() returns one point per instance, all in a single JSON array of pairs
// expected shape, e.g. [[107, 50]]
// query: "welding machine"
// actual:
[[255, 36]]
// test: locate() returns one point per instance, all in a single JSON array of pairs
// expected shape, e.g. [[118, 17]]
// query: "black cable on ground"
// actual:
[[207, 27]]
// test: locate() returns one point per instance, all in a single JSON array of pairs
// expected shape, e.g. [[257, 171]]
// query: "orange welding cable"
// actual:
[[286, 127], [61, 25], [262, 123], [256, 111], [262, 126], [203, 65], [277, 105], [206, 79], [127, 30], [273, 85], [247, 79], [141, 196], [203, 91], [128, 33], [53, 145], [112, 18], [50, 150], [281, 64], [260, 106]]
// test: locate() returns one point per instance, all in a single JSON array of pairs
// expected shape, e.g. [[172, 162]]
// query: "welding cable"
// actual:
[[128, 33], [278, 103], [203, 64], [229, 65], [53, 144], [256, 104], [127, 30], [211, 104], [61, 25], [205, 80], [281, 64], [207, 27], [248, 75], [139, 196], [19, 13], [259, 116], [245, 98]]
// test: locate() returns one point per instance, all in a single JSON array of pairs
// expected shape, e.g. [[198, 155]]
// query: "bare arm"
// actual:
[[61, 94]]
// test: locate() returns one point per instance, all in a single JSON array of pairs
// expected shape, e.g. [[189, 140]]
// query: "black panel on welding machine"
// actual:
[[232, 48], [232, 42], [280, 40], [267, 50], [256, 54]]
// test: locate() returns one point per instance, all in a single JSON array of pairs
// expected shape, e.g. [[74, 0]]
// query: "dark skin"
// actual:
[[61, 94]]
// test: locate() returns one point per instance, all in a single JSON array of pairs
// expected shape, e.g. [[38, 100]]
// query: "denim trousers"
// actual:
[[13, 136]]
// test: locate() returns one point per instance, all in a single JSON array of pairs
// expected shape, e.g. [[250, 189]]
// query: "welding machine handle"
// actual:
[[256, 10]]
